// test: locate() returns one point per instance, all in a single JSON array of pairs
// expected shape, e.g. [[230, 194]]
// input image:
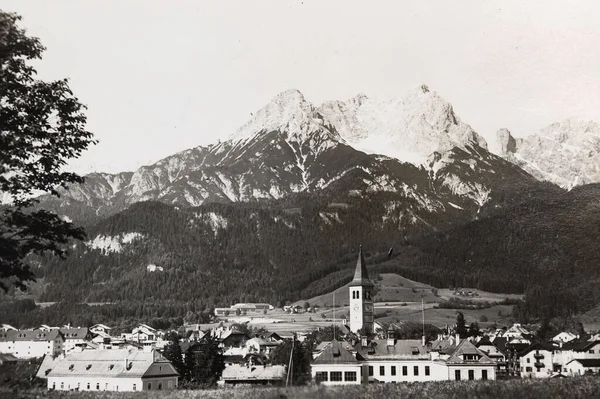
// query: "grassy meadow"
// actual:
[[579, 387]]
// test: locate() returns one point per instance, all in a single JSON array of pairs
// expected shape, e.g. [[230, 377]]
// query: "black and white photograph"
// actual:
[[298, 199]]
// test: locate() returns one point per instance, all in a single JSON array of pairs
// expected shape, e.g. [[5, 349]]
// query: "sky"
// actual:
[[159, 77]]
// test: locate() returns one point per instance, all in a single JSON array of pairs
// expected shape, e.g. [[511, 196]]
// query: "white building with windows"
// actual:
[[28, 344], [109, 370], [392, 360]]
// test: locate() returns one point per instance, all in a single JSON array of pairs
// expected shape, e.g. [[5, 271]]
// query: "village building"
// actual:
[[495, 353], [75, 338], [101, 329], [109, 370], [390, 359], [28, 344], [583, 366]]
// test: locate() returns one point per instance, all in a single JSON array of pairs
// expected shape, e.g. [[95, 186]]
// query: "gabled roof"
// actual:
[[579, 345], [361, 276], [587, 362], [75, 333], [113, 363], [538, 346], [335, 353], [30, 335], [402, 349], [8, 357], [467, 348]]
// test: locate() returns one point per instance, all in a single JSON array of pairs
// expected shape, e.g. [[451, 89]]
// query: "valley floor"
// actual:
[[578, 387]]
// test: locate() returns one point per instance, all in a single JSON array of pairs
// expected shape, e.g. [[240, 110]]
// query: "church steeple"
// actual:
[[361, 276], [361, 302]]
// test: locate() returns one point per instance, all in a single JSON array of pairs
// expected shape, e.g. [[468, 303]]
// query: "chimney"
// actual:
[[457, 338], [423, 341], [363, 341]]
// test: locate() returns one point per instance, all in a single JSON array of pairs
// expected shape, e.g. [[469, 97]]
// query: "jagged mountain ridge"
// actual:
[[291, 146], [566, 153]]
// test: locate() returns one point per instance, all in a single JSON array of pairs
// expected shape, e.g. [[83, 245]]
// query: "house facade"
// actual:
[[109, 370], [28, 344], [387, 361]]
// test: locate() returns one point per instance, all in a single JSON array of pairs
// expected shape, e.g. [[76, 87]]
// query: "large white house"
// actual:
[[109, 370], [28, 344]]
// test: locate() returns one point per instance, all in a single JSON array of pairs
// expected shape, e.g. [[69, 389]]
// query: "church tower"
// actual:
[[361, 303]]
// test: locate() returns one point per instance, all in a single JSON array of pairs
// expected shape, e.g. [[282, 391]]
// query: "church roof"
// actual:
[[361, 276]]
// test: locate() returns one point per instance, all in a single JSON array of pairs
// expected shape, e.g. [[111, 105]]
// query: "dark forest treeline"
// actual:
[[543, 244]]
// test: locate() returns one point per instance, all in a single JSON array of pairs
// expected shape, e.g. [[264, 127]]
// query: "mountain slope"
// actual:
[[565, 153], [291, 146]]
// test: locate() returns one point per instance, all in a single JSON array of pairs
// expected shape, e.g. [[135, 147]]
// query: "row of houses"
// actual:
[[244, 308]]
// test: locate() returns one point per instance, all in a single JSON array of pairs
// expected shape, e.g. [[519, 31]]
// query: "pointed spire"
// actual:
[[361, 276]]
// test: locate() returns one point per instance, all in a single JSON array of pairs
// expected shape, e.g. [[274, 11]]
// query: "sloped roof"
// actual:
[[538, 346], [8, 357], [587, 362], [378, 349], [75, 333], [114, 363], [335, 353], [467, 348], [361, 276], [30, 335], [580, 345], [238, 372]]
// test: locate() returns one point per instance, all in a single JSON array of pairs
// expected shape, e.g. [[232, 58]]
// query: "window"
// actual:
[[416, 370], [528, 360], [134, 387], [106, 386], [170, 384], [149, 386], [457, 375], [97, 386], [160, 385], [484, 374], [321, 376], [393, 371], [404, 370], [54, 385], [350, 376], [62, 385], [370, 371], [426, 370], [471, 374], [381, 370], [336, 376], [528, 369], [88, 385], [592, 351]]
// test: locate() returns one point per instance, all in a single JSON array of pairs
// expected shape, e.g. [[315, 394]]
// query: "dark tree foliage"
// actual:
[[301, 358], [172, 352], [204, 364], [461, 326], [42, 126]]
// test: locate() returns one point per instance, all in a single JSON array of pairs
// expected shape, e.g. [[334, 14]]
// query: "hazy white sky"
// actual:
[[162, 76]]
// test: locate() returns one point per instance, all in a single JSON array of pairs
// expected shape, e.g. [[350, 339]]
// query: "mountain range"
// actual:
[[276, 212]]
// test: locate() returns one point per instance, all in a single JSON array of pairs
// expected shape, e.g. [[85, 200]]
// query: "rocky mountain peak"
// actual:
[[408, 128], [566, 153], [287, 112]]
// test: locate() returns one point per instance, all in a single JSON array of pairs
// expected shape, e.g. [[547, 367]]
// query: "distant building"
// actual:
[[244, 308], [583, 366], [75, 337], [28, 344], [109, 370]]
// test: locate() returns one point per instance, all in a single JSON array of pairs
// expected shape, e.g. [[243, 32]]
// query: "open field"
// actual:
[[576, 388]]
